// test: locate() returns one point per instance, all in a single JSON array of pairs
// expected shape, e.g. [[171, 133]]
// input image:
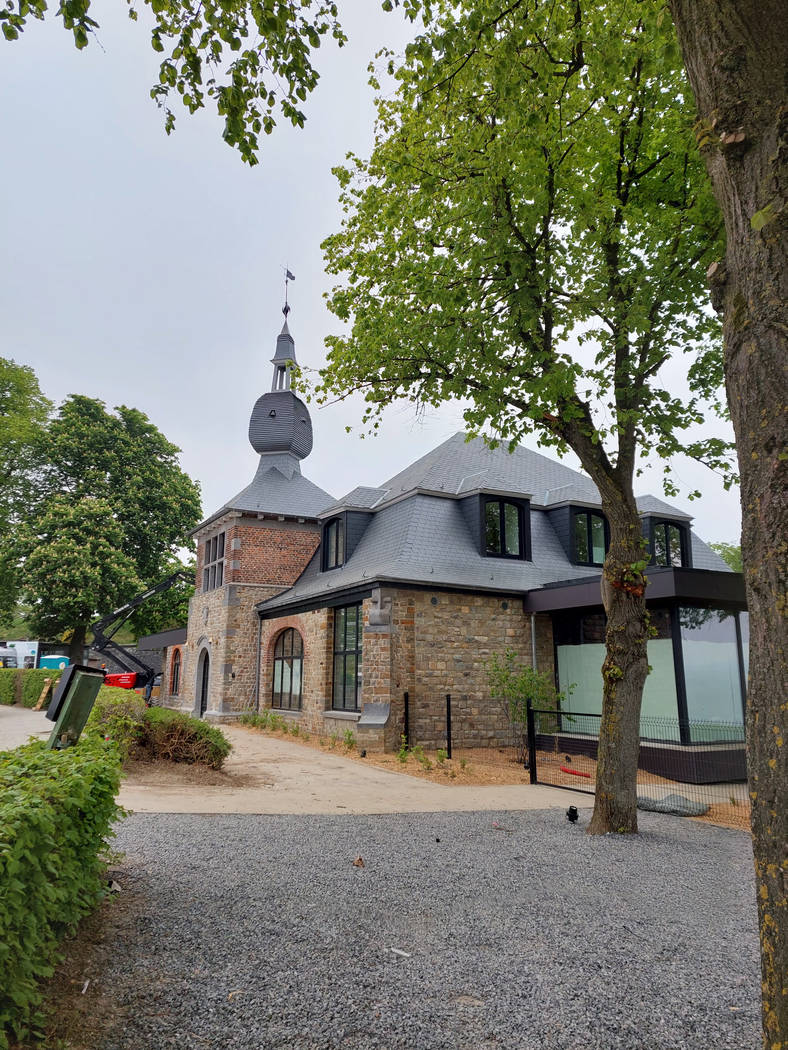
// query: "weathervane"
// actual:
[[288, 277]]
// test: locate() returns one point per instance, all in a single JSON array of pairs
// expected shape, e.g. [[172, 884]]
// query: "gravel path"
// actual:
[[258, 933]]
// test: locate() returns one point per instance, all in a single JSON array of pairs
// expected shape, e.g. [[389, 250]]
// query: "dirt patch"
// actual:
[[81, 1005], [163, 774], [486, 767]]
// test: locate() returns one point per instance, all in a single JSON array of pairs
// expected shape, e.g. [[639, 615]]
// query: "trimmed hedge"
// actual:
[[7, 685], [24, 685], [56, 814], [120, 715], [33, 682]]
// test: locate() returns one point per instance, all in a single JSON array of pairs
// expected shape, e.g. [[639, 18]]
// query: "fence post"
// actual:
[[448, 725], [406, 734], [531, 733]]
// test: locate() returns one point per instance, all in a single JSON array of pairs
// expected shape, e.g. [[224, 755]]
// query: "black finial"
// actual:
[[288, 277]]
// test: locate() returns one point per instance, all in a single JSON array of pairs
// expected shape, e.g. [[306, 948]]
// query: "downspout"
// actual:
[[257, 665], [533, 640]]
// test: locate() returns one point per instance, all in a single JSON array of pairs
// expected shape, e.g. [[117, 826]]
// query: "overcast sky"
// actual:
[[148, 271]]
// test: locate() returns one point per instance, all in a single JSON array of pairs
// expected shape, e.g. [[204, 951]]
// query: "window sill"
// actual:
[[286, 712], [345, 716]]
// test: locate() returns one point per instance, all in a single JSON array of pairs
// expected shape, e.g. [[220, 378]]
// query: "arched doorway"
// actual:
[[203, 679]]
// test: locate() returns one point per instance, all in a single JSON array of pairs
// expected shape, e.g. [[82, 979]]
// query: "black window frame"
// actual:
[[666, 524], [284, 651], [213, 562], [333, 544], [341, 652], [523, 524], [588, 514]]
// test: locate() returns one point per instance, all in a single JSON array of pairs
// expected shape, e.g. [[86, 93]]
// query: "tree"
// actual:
[[269, 44], [125, 460], [23, 415], [531, 232], [117, 475], [730, 554], [74, 565], [736, 55]]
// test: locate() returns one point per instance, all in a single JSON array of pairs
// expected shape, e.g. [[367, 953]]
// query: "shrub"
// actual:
[[156, 732], [349, 738], [7, 685], [33, 682], [56, 813], [119, 714], [175, 736]]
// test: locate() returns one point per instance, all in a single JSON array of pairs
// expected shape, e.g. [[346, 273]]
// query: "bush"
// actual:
[[25, 684], [156, 732], [33, 682], [179, 738], [56, 814], [7, 685]]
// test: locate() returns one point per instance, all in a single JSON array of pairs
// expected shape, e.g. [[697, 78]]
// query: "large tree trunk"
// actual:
[[76, 647], [623, 672], [736, 54]]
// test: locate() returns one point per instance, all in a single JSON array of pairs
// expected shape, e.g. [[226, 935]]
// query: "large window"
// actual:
[[590, 538], [175, 673], [669, 544], [288, 671], [213, 563], [504, 533], [347, 658], [334, 544]]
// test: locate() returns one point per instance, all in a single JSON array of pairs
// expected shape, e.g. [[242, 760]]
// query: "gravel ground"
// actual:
[[258, 933]]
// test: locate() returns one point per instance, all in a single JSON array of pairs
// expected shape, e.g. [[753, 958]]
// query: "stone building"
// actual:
[[332, 612]]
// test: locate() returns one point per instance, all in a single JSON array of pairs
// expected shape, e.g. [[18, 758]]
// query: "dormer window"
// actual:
[[504, 529], [333, 544], [591, 538], [668, 544]]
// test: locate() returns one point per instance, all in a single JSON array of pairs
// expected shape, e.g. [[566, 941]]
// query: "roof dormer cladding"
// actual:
[[421, 527]]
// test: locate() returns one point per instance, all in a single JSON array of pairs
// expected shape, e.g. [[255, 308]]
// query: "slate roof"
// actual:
[[277, 488], [418, 532]]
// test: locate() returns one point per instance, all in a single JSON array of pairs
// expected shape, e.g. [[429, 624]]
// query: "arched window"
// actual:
[[334, 544], [288, 668], [175, 673]]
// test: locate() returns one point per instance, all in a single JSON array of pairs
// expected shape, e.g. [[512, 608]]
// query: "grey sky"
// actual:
[[148, 270]]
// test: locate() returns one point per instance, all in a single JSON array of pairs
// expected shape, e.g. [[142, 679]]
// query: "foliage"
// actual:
[[7, 685], [250, 59], [177, 737], [124, 459], [349, 739], [522, 192], [157, 732], [730, 554], [116, 508], [57, 809], [519, 686], [23, 415], [74, 564], [33, 679]]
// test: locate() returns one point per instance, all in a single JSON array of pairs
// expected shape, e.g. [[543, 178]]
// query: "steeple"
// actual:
[[284, 359], [280, 421]]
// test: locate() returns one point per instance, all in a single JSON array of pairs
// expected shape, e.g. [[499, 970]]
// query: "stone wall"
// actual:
[[425, 644]]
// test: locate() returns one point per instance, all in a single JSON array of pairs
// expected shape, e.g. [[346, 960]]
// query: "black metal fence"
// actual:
[[689, 768]]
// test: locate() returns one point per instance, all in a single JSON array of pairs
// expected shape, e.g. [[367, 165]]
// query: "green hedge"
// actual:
[[56, 814], [25, 685], [33, 682], [7, 685]]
